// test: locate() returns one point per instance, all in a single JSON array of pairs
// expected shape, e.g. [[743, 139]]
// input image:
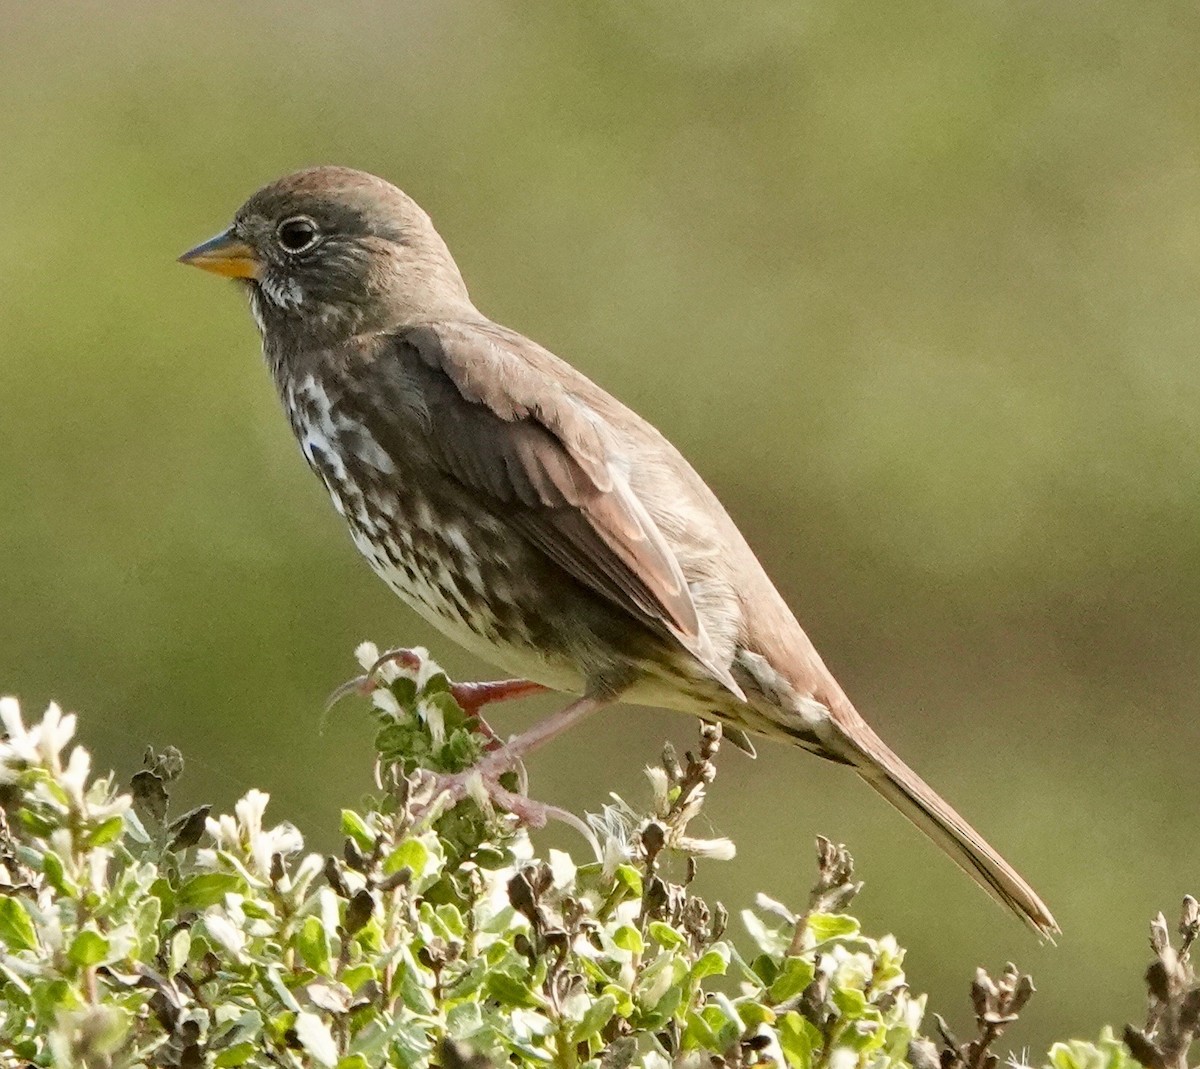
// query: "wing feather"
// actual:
[[500, 427]]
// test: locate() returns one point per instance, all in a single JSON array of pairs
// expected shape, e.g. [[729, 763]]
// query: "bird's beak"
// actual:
[[227, 255]]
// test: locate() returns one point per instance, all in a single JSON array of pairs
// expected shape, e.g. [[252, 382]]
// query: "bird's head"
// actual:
[[330, 252]]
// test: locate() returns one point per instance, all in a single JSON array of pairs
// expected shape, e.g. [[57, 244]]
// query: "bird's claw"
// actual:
[[366, 684], [482, 783]]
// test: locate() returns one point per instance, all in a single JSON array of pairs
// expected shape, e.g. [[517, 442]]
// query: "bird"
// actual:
[[524, 511]]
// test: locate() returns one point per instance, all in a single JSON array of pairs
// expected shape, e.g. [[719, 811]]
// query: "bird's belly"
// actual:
[[461, 609], [474, 578]]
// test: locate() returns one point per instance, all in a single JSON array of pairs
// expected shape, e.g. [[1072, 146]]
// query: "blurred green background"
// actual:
[[915, 286]]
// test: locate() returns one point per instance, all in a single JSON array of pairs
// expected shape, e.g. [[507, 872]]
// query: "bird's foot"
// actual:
[[482, 783], [471, 697], [366, 684]]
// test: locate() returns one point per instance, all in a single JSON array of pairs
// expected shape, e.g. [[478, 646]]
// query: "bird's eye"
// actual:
[[298, 234]]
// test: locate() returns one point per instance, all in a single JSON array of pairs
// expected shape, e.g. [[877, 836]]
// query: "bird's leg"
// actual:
[[470, 696], [483, 780], [474, 696]]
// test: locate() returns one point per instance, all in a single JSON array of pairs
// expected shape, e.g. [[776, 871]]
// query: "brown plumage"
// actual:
[[523, 510]]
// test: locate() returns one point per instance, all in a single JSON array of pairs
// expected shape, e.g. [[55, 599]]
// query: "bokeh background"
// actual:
[[917, 287]]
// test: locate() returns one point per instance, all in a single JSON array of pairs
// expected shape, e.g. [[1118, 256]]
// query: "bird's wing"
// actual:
[[503, 428]]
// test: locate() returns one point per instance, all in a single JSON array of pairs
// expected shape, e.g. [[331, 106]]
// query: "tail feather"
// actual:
[[901, 786]]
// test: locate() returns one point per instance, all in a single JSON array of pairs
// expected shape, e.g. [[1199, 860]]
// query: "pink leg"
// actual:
[[501, 760], [474, 696]]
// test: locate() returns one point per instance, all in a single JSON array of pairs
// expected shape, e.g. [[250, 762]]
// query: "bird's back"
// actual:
[[749, 623]]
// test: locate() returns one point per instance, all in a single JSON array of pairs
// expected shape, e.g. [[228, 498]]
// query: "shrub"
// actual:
[[136, 937]]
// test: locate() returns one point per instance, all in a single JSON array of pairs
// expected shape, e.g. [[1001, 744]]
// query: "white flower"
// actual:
[[224, 932], [843, 1058], [368, 656], [654, 1060], [97, 868], [315, 1037], [614, 826], [774, 907], [427, 668], [366, 653], [660, 788], [385, 701], [435, 720], [10, 715], [75, 776], [913, 1011], [55, 732], [243, 835], [41, 744], [310, 867], [656, 981], [851, 968], [563, 869], [716, 849], [327, 909], [249, 811]]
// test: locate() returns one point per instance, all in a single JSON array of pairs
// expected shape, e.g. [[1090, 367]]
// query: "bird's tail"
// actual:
[[871, 758]]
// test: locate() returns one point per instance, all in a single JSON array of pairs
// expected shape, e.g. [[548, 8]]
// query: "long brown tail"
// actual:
[[901, 786]]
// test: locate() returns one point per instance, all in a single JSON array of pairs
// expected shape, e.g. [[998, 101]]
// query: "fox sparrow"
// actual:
[[522, 510]]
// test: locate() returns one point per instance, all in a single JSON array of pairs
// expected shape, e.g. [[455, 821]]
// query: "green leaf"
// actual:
[[312, 942], [88, 948], [53, 998], [754, 1014], [52, 867], [177, 951], [699, 1033], [238, 1054], [436, 683], [624, 998], [35, 824], [353, 1061], [207, 889], [510, 991], [598, 1014], [146, 916], [665, 936], [165, 893], [354, 827], [796, 1039], [16, 929], [724, 1021], [766, 969], [405, 692], [107, 832], [629, 938], [452, 919], [412, 854], [629, 877], [357, 975], [796, 975], [831, 926], [464, 1020], [851, 1002], [714, 962], [663, 1010]]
